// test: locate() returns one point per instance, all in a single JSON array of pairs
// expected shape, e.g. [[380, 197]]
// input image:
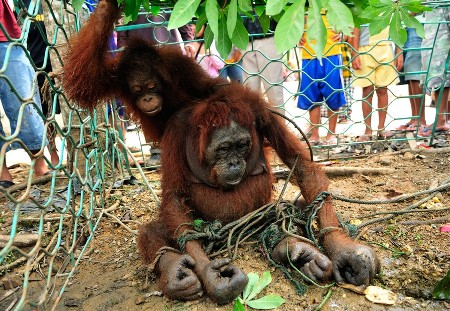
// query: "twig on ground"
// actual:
[[20, 240], [440, 220], [135, 232]]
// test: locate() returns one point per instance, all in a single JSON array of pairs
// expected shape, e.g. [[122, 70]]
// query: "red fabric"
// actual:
[[9, 22]]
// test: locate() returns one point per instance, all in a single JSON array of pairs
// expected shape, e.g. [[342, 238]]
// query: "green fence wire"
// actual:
[[47, 222]]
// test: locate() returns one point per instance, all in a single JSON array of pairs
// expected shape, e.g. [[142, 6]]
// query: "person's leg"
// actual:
[[412, 67], [441, 116], [332, 121], [448, 109], [367, 94], [5, 174], [383, 101], [332, 91], [346, 109], [30, 127], [52, 149], [314, 117], [443, 110], [414, 91], [270, 65], [309, 93], [251, 72]]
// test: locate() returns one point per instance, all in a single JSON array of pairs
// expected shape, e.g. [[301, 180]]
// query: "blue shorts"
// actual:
[[322, 83], [413, 58], [21, 74]]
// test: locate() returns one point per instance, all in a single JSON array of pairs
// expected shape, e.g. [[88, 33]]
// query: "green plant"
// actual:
[[254, 287], [224, 18], [442, 290]]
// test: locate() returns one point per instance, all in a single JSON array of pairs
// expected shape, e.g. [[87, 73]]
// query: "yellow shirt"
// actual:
[[331, 47]]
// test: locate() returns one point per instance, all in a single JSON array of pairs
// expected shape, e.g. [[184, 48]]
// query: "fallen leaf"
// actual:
[[380, 295]]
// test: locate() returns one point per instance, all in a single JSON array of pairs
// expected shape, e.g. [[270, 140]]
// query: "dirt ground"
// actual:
[[414, 254]]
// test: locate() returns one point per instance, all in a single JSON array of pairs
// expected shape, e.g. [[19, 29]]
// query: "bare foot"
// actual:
[[40, 167], [54, 158]]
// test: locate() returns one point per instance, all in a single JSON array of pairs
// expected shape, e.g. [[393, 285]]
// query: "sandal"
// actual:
[[331, 142], [364, 138], [314, 143], [426, 130], [6, 183], [408, 127], [383, 134]]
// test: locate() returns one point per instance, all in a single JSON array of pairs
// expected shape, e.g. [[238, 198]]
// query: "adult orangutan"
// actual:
[[214, 168], [213, 163], [153, 82]]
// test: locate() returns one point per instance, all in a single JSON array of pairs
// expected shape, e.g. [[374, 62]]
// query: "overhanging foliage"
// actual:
[[225, 18]]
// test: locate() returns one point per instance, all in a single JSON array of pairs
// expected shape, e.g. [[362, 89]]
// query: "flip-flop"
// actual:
[[363, 138], [331, 142], [406, 128], [6, 183], [425, 131], [314, 143], [383, 134]]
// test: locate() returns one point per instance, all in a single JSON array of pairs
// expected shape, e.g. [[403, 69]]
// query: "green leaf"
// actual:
[[127, 19], [232, 17], [259, 10], [212, 13], [238, 306], [396, 31], [273, 7], [240, 35], [317, 33], [264, 21], [380, 23], [266, 302], [371, 12], [131, 9], [182, 13], [208, 37], [442, 290], [200, 22], [253, 279], [77, 4], [381, 3], [265, 280], [223, 41], [414, 6], [290, 27], [412, 22], [245, 5], [339, 16], [154, 9], [146, 5]]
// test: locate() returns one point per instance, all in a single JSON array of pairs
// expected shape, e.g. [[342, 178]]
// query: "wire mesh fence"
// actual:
[[64, 168]]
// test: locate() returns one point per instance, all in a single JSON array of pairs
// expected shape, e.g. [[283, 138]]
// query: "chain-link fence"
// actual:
[[64, 168]]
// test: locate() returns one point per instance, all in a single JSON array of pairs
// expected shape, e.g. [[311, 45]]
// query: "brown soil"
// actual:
[[413, 252]]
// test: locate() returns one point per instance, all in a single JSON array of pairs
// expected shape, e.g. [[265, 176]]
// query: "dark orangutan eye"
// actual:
[[244, 144], [151, 86], [136, 88], [223, 148]]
